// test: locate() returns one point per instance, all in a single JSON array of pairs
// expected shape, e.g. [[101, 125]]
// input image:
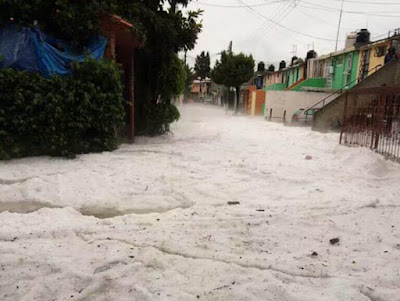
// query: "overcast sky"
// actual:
[[253, 27]]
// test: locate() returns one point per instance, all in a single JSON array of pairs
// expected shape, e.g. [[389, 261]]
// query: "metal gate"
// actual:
[[372, 119]]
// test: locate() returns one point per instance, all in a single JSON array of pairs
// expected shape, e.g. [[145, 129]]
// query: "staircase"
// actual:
[[295, 84], [330, 112]]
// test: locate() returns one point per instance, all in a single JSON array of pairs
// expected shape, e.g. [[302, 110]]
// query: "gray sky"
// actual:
[[255, 30]]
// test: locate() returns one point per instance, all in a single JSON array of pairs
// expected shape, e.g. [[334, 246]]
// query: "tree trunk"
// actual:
[[237, 100], [173, 6], [200, 92]]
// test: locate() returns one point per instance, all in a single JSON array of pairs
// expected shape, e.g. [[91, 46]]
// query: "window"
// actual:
[[380, 51], [347, 73]]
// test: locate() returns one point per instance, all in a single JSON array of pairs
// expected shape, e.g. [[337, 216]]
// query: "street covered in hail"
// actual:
[[223, 208]]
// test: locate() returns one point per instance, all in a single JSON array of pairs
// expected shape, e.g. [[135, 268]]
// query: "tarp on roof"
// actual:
[[32, 50]]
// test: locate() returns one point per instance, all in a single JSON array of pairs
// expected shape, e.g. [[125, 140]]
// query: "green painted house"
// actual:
[[293, 74], [282, 79], [276, 87], [345, 70], [331, 72], [338, 69], [293, 78], [311, 84]]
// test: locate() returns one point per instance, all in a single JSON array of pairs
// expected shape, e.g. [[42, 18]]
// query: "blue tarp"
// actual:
[[31, 49]]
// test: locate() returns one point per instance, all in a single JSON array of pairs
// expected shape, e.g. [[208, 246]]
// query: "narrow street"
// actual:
[[223, 208]]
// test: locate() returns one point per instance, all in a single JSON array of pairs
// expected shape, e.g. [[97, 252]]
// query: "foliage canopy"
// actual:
[[202, 65], [233, 70], [61, 115], [165, 29]]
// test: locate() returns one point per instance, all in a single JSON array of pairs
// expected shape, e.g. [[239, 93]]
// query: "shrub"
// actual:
[[61, 116], [159, 116]]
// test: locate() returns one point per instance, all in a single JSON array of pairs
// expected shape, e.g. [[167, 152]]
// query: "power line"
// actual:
[[334, 8], [268, 24], [283, 16], [258, 32], [280, 1], [351, 12], [371, 3], [283, 11], [276, 17], [287, 28], [322, 21], [247, 7], [387, 34], [381, 35], [329, 8], [239, 6]]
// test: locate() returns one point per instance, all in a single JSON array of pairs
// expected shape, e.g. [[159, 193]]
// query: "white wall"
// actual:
[[291, 101]]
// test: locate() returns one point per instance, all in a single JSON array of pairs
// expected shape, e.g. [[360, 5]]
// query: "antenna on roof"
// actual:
[[294, 50]]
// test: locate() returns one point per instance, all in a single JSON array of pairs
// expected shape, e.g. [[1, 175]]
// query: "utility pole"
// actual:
[[230, 48], [340, 21]]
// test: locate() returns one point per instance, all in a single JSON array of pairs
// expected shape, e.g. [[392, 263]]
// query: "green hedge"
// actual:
[[61, 116], [158, 117]]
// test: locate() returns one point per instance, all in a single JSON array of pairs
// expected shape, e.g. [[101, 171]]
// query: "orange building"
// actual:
[[253, 101]]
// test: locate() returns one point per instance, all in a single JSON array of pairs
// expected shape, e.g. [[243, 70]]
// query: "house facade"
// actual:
[[293, 74], [372, 56], [344, 69], [337, 70], [321, 78], [272, 78], [201, 87], [292, 78]]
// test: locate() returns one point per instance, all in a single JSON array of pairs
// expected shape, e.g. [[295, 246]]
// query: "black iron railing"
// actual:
[[340, 91], [372, 119]]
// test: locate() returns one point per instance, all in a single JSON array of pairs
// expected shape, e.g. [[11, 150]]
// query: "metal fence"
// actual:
[[372, 119]]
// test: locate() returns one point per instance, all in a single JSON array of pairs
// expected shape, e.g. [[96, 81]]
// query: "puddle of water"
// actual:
[[24, 207], [98, 212]]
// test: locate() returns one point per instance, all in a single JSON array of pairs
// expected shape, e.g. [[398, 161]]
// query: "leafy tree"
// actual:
[[233, 70], [202, 65], [161, 24]]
